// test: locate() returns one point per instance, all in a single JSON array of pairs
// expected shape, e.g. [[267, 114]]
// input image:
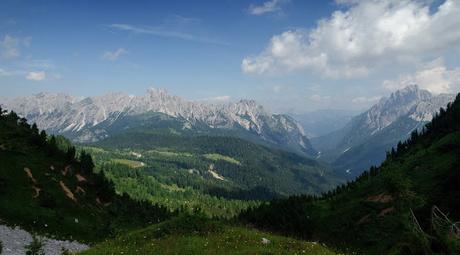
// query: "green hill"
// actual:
[[198, 235], [240, 169], [408, 205], [44, 188]]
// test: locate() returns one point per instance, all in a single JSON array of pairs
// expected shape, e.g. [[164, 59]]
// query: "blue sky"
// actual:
[[291, 55]]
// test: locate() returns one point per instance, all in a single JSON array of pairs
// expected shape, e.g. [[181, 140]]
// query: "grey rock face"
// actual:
[[363, 142], [419, 105], [15, 239], [65, 114]]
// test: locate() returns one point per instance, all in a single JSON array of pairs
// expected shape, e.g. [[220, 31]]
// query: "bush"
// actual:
[[65, 251], [35, 247], [46, 200]]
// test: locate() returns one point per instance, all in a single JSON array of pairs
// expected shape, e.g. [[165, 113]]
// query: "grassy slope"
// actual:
[[196, 235]]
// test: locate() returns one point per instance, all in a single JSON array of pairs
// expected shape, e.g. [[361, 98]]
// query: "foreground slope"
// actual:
[[45, 189], [409, 205], [197, 235]]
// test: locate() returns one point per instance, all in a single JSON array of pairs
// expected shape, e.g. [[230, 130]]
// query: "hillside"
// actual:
[[47, 189], [197, 235], [408, 205], [242, 165]]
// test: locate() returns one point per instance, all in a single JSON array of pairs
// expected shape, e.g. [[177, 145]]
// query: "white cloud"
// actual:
[[351, 43], [365, 100], [434, 77], [266, 7], [11, 46], [36, 76], [167, 31], [113, 56]]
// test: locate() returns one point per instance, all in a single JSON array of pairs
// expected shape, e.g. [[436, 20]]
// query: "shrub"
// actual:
[[35, 247]]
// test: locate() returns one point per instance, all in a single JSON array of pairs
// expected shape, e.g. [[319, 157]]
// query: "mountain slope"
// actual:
[[196, 235], [88, 119], [398, 208], [365, 139], [45, 189], [219, 165]]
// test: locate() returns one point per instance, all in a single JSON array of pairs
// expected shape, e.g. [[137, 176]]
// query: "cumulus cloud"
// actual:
[[266, 7], [36, 76], [11, 46], [114, 55], [351, 42], [434, 77]]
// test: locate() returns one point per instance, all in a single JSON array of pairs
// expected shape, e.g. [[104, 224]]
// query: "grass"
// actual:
[[166, 153], [129, 163], [217, 157], [198, 235]]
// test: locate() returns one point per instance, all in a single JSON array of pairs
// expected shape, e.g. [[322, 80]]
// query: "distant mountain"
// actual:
[[364, 141], [321, 122], [92, 118]]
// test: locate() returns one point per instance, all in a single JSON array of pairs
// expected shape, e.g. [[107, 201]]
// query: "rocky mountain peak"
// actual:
[[81, 118], [413, 102]]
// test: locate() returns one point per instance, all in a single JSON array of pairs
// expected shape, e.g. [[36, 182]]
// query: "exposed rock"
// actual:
[[14, 240], [83, 118], [265, 241]]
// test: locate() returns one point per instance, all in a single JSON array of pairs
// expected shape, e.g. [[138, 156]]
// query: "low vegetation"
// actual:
[[195, 234]]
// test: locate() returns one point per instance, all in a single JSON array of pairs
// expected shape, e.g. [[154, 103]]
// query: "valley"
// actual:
[[251, 127]]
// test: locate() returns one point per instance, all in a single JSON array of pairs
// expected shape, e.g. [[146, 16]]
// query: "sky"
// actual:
[[290, 55]]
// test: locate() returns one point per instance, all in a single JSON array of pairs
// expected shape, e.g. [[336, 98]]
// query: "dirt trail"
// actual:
[[37, 191], [29, 173], [381, 198], [66, 170], [386, 211], [80, 190], [67, 191], [80, 178]]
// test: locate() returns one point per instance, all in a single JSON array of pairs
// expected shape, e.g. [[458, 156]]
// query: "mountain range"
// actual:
[[364, 140], [91, 119]]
